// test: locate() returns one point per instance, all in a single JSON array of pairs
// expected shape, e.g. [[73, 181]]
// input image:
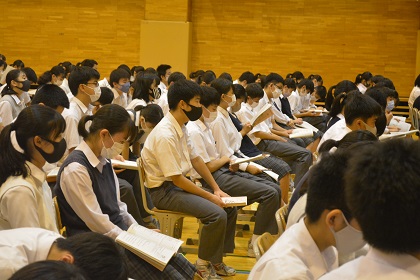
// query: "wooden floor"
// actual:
[[238, 260]]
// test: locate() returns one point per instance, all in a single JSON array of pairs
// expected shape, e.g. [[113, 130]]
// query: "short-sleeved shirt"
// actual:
[[72, 116]]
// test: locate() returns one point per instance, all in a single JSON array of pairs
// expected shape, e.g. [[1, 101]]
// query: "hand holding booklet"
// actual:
[[231, 201], [301, 133], [249, 159], [127, 164], [264, 113], [153, 247]]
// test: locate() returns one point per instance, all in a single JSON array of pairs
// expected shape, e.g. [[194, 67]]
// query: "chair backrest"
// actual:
[[142, 176], [60, 227], [281, 219], [262, 244], [415, 118]]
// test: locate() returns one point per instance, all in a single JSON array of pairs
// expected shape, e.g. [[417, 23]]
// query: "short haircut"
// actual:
[[349, 139], [290, 83], [19, 64], [161, 69], [367, 76], [151, 113], [386, 82], [151, 70], [2, 57], [47, 270], [46, 77], [361, 106], [239, 91], [298, 75], [210, 96], [326, 186], [176, 76], [377, 95], [222, 86], [88, 62], [30, 74], [81, 75], [417, 81], [383, 191], [248, 77], [117, 75], [377, 79], [272, 78], [96, 254], [107, 96], [254, 90], [196, 74], [182, 90], [125, 67], [322, 92], [208, 77], [307, 83], [226, 76], [52, 96]]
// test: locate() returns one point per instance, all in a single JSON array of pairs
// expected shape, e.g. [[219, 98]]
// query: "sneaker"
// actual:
[[207, 271], [223, 270], [251, 252]]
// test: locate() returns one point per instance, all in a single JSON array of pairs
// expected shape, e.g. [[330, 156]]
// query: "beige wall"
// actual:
[[336, 39]]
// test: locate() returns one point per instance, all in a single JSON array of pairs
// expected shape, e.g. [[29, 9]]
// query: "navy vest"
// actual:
[[104, 188], [247, 146]]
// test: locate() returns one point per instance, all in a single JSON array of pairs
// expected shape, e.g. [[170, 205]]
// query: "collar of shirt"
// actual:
[[265, 98], [401, 261], [80, 104], [96, 162], [248, 107], [179, 130], [36, 173], [162, 85], [202, 125], [115, 92], [224, 112], [16, 99]]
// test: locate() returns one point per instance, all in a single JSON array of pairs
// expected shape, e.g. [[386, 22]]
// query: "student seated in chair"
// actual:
[[383, 192], [308, 249]]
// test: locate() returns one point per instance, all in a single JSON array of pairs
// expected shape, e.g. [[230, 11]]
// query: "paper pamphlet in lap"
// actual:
[[400, 123], [262, 115], [301, 133], [127, 164], [53, 173], [249, 159], [270, 173], [393, 135], [307, 126], [235, 201], [153, 247]]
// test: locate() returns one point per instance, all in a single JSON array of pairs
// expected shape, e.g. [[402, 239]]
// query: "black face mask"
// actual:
[[194, 114], [57, 154], [26, 85]]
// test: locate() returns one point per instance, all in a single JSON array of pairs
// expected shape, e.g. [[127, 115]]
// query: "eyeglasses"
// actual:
[[93, 83]]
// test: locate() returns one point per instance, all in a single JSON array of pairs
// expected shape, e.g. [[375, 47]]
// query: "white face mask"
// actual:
[[232, 103], [58, 82], [276, 93], [96, 95], [254, 105], [390, 105], [371, 129], [348, 240], [112, 152], [132, 79], [211, 118], [145, 128]]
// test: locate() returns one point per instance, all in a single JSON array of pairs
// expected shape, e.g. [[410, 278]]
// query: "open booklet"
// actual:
[[301, 133], [399, 122], [127, 164], [307, 126], [235, 201], [153, 247], [400, 134], [264, 113], [249, 159]]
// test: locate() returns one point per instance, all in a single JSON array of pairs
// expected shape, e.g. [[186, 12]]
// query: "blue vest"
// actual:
[[104, 188], [247, 146]]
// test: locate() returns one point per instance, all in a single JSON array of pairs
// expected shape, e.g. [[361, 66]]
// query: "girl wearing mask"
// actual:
[[25, 145], [145, 90], [55, 76], [11, 101]]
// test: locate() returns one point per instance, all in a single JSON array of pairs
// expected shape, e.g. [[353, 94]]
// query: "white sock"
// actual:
[[254, 237]]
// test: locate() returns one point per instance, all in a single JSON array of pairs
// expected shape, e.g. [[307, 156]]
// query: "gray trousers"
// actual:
[[218, 231], [265, 192], [295, 156]]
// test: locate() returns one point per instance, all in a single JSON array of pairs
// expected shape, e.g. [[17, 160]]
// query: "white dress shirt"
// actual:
[[163, 102], [22, 246], [293, 100], [72, 116], [413, 95], [378, 265], [6, 109], [335, 132], [302, 104], [295, 256], [119, 99], [166, 153], [245, 115], [27, 202], [297, 212], [136, 102], [362, 88], [66, 88], [279, 116], [76, 186], [104, 83]]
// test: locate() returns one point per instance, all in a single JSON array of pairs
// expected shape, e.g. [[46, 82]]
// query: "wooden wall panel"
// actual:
[[44, 33], [336, 39], [168, 10]]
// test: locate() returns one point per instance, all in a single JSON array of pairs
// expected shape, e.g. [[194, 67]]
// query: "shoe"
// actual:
[[251, 252], [207, 271], [223, 270]]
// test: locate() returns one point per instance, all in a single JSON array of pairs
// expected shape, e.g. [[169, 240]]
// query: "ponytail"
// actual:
[[358, 79], [81, 127], [45, 78], [338, 104]]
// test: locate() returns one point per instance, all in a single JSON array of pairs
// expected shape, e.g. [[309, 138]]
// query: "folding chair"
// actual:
[[61, 228], [262, 244]]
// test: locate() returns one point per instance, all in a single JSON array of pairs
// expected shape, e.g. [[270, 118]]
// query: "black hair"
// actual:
[[348, 140], [367, 76], [390, 93], [417, 81], [322, 92], [52, 96], [96, 254], [329, 99], [65, 64], [272, 78], [81, 76], [310, 77], [49, 270], [2, 57], [361, 106], [32, 121], [226, 76], [117, 75], [70, 69], [318, 78], [298, 75], [386, 82], [18, 64], [30, 74], [196, 74], [248, 77], [338, 104], [151, 113], [161, 70], [377, 79], [46, 77], [383, 191], [126, 68], [107, 96], [183, 90], [239, 91], [3, 64], [151, 70], [176, 76], [208, 77], [378, 95], [344, 86], [290, 83], [136, 69], [307, 83], [326, 186], [13, 75], [112, 117], [142, 84], [254, 90], [222, 86], [87, 62], [210, 96], [289, 75]]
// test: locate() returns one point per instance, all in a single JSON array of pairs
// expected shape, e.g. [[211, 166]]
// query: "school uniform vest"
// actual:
[[285, 107], [247, 146], [15, 109], [103, 185]]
